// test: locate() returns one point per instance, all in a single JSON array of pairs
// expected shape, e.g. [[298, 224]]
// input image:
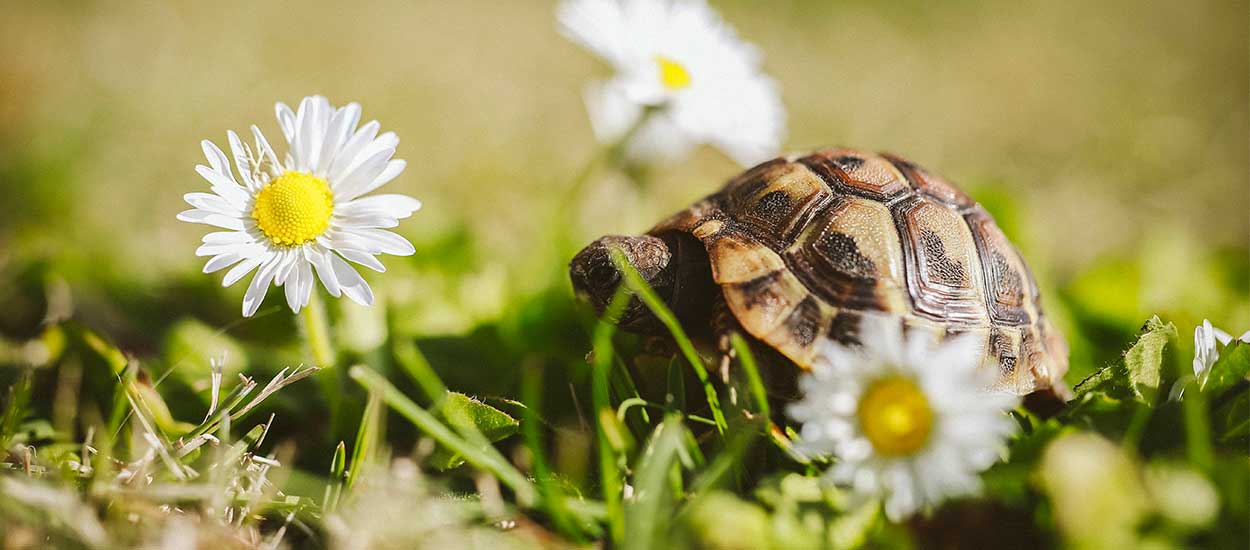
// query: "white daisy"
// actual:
[[909, 419], [1208, 340], [681, 60], [287, 219]]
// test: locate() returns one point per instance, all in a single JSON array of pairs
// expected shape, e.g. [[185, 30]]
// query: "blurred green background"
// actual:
[[1109, 138]]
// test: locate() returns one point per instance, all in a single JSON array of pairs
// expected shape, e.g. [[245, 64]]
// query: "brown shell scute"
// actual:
[[848, 256], [804, 249], [929, 184], [942, 261], [777, 202], [1010, 294], [858, 173]]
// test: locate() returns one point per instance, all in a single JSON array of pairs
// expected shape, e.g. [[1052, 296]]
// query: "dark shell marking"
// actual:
[[804, 249]]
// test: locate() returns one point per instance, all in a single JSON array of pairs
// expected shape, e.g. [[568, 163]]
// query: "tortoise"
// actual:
[[798, 249]]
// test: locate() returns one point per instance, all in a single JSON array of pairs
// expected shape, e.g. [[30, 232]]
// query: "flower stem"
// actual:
[[317, 335], [317, 332], [612, 153]]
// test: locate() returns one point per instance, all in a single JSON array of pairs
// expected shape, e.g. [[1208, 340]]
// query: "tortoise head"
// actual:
[[596, 277]]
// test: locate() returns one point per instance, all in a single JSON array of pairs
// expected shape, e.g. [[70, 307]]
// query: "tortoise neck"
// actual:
[[692, 292]]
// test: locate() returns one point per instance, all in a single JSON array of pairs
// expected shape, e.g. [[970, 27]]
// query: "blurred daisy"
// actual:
[[1208, 340], [307, 213], [909, 420], [678, 60]]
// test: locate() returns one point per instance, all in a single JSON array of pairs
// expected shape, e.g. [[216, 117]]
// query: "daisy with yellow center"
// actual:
[[308, 213], [679, 64], [909, 420]]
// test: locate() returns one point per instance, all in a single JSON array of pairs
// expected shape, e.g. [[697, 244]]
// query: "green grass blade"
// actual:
[[624, 388], [754, 380], [410, 358], [729, 458], [15, 409], [334, 486], [611, 475], [644, 291], [367, 437], [647, 516], [552, 497], [477, 455]]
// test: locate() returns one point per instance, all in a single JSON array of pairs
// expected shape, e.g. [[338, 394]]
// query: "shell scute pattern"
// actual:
[[804, 249], [850, 256], [765, 302], [778, 202], [943, 264], [1008, 285], [931, 185], [858, 173]]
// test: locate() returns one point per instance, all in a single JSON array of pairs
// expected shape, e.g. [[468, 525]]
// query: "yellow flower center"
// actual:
[[294, 208], [895, 416], [673, 75]]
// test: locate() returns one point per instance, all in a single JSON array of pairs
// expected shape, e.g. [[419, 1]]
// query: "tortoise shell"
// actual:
[[804, 248]]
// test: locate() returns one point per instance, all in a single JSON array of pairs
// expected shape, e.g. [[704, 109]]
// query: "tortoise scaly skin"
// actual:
[[800, 249]]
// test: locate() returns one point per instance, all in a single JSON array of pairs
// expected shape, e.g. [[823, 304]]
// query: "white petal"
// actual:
[[286, 266], [340, 129], [223, 237], [611, 112], [242, 159], [224, 185], [286, 120], [352, 182], [306, 136], [258, 288], [352, 284], [373, 221], [595, 25], [1220, 336], [337, 239], [222, 261], [292, 287], [215, 249], [391, 205], [325, 272], [347, 155], [385, 241], [216, 158], [306, 282], [244, 268], [212, 203], [211, 218], [390, 172], [266, 153], [363, 258]]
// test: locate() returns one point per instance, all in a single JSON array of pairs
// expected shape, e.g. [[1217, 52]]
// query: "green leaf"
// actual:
[[493, 423], [484, 457], [1231, 422], [1232, 367], [1138, 377], [461, 410], [1144, 360]]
